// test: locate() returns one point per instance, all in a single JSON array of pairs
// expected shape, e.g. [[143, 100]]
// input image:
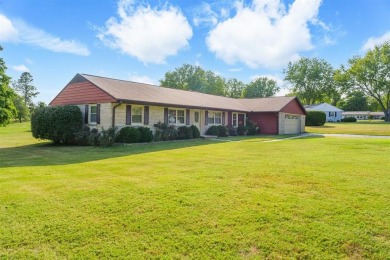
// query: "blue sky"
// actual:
[[141, 40]]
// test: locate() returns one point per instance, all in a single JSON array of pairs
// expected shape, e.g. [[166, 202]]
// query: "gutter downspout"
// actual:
[[113, 112]]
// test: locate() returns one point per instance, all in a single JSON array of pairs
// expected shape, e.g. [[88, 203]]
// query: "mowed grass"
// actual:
[[324, 198], [365, 127]]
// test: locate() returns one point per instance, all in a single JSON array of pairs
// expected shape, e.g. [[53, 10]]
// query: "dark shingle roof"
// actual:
[[146, 93]]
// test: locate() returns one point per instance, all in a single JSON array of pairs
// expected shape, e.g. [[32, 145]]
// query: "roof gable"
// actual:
[[322, 107]]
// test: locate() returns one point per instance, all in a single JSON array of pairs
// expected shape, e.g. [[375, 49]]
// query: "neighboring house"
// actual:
[[363, 115], [333, 114], [107, 102]]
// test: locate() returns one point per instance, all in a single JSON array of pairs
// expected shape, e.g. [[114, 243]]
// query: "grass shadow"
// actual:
[[49, 154]]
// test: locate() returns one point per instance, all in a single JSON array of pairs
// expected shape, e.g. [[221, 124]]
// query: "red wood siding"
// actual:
[[293, 107], [267, 122], [81, 93]]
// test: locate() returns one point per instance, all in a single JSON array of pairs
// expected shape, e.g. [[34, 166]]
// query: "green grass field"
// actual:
[[374, 127], [323, 198]]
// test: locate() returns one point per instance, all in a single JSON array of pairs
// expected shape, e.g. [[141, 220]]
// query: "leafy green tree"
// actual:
[[371, 75], [7, 108], [190, 77], [22, 111], [234, 88], [311, 80], [24, 86], [356, 101], [261, 87]]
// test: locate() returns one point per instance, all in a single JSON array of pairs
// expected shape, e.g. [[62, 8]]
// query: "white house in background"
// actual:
[[333, 114], [363, 115]]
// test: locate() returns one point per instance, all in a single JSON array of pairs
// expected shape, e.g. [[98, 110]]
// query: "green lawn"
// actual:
[[324, 198], [361, 128]]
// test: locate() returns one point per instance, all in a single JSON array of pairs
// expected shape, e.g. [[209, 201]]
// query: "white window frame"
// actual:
[[90, 113], [214, 117], [332, 114], [236, 115], [197, 117], [175, 117], [132, 114]]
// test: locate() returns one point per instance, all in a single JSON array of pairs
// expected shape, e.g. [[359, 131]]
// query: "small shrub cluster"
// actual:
[[165, 132], [130, 134], [349, 119], [249, 129], [315, 118], [87, 136], [58, 124], [218, 130]]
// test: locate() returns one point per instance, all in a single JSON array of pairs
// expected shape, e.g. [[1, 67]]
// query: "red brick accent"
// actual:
[[81, 93], [293, 107], [266, 121]]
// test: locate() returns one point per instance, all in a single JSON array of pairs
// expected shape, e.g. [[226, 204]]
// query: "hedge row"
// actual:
[[349, 119], [165, 132]]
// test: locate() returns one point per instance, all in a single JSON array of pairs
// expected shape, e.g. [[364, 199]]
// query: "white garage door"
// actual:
[[292, 124]]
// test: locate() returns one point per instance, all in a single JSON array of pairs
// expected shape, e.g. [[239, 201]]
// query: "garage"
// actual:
[[292, 124]]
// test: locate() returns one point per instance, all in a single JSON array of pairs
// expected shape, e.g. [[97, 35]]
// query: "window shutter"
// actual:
[[146, 115], [166, 115], [335, 114], [187, 116], [223, 118], [128, 115], [86, 114], [206, 117], [329, 113], [230, 118], [98, 114]]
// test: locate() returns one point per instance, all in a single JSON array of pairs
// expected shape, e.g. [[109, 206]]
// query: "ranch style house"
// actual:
[[107, 102]]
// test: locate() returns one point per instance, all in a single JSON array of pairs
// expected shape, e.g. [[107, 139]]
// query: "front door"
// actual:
[[196, 120]]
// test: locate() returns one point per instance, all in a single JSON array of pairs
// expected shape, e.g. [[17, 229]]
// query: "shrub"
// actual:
[[242, 130], [233, 131], [220, 130], [315, 118], [383, 118], [58, 124], [81, 137], [213, 130], [184, 132], [349, 119], [252, 128], [223, 131], [195, 132], [146, 134], [128, 134], [165, 132], [94, 137], [107, 137]]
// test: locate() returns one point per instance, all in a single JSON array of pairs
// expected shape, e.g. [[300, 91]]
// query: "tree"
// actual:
[[312, 81], [25, 87], [22, 111], [7, 108], [356, 101], [371, 75], [261, 87], [190, 77], [234, 88]]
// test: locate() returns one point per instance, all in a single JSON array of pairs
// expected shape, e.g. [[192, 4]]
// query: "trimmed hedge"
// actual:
[[349, 119], [58, 124], [220, 131], [128, 134], [146, 134], [195, 131], [315, 118]]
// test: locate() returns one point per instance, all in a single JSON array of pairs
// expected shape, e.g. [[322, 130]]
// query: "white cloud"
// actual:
[[206, 16], [7, 30], [19, 31], [235, 69], [265, 34], [20, 68], [374, 41], [141, 79], [149, 34]]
